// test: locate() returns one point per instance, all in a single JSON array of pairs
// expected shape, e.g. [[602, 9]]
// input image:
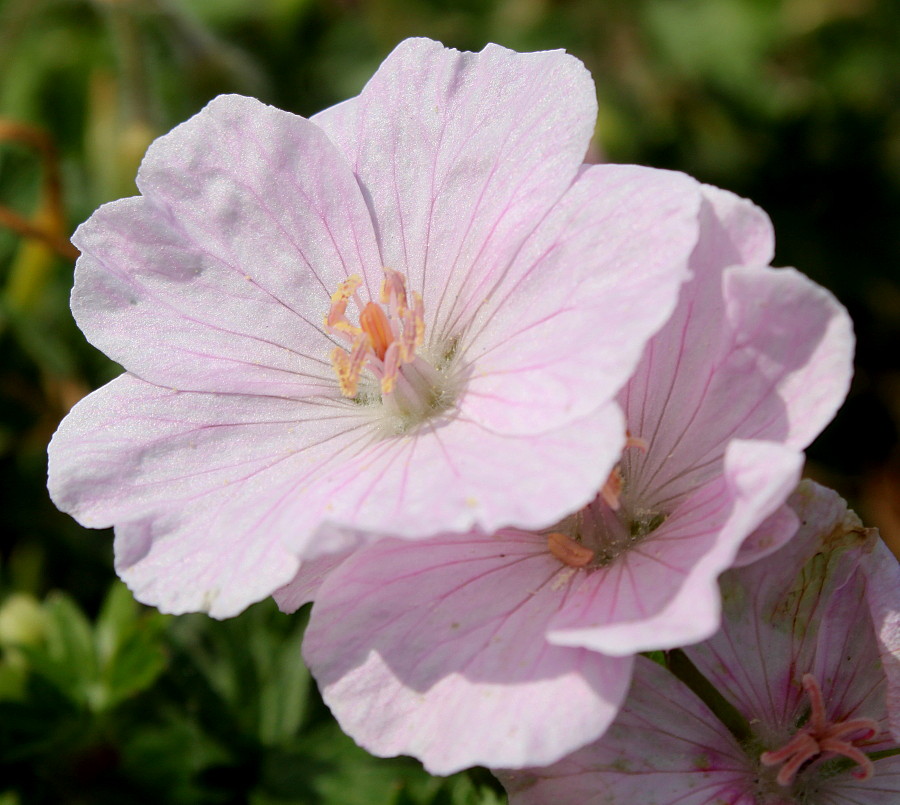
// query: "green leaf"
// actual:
[[167, 759], [284, 693], [42, 723], [136, 665], [67, 657], [116, 620]]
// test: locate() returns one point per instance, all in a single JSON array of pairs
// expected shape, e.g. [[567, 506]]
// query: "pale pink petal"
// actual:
[[193, 481], [455, 475], [303, 588], [845, 656], [436, 649], [218, 279], [204, 484], [882, 594], [781, 608], [750, 353], [882, 789], [768, 537], [665, 748], [132, 449], [803, 610], [663, 592], [667, 391], [460, 155], [743, 234], [177, 566], [568, 321], [799, 340], [222, 555]]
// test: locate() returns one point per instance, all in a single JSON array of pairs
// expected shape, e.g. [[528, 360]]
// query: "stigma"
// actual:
[[820, 736]]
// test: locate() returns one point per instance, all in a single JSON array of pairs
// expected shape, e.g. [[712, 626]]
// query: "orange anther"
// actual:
[[568, 551]]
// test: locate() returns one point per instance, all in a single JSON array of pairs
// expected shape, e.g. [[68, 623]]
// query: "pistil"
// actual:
[[819, 736]]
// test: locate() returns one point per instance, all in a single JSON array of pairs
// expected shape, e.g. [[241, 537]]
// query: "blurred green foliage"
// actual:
[[144, 708], [793, 103]]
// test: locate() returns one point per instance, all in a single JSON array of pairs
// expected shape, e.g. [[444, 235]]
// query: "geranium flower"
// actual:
[[515, 649], [408, 315], [807, 668]]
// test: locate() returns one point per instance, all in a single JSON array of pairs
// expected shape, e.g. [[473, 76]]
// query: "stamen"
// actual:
[[393, 289], [391, 368], [636, 441], [337, 313], [340, 362], [348, 366], [612, 489], [413, 329], [819, 736], [568, 551]]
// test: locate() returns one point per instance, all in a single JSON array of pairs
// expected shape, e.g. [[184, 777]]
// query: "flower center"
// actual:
[[604, 529], [384, 346], [819, 736]]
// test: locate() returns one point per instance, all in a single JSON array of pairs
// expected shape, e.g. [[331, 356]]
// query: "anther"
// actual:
[[568, 551]]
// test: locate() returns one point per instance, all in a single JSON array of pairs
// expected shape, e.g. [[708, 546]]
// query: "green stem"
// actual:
[[681, 666], [873, 756]]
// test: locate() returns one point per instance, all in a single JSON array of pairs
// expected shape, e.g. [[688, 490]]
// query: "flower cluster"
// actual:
[[504, 417], [806, 676]]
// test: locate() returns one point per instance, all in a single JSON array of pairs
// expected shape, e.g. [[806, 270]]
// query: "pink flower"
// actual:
[[517, 648], [408, 315], [807, 665]]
